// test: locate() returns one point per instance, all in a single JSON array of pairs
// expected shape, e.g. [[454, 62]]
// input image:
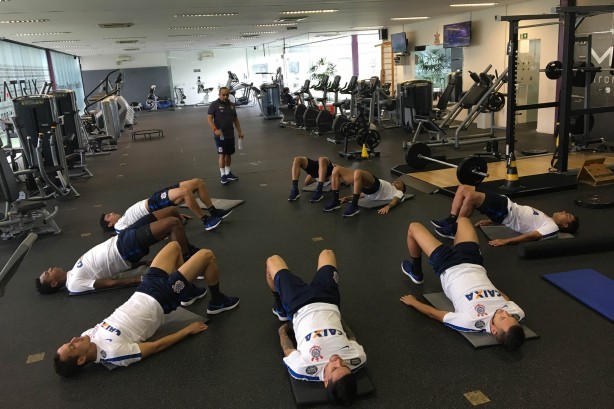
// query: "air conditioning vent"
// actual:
[[131, 49], [126, 41], [250, 36], [115, 25], [291, 28]]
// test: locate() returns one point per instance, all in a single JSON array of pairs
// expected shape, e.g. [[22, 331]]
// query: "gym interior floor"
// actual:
[[412, 360]]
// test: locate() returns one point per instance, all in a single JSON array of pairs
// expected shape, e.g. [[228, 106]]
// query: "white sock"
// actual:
[[222, 172], [227, 169]]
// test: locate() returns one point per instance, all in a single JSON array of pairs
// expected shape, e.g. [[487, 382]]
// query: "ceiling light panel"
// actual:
[[206, 15], [309, 11]]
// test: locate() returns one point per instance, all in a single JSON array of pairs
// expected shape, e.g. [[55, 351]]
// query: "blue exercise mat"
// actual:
[[589, 287]]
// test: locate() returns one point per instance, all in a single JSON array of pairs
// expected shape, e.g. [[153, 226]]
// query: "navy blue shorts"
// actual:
[[133, 243], [494, 207], [167, 289], [159, 200], [313, 168], [372, 189], [295, 293], [225, 146], [446, 256]]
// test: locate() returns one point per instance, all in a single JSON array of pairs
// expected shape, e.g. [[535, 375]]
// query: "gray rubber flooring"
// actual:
[[413, 361]]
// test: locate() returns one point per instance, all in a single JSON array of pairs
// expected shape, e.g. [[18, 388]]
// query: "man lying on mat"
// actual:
[[531, 223], [478, 305], [366, 185], [99, 267], [163, 201], [317, 171], [121, 338], [326, 350]]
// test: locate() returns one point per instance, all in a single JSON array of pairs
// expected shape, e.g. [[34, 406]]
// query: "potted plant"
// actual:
[[320, 68], [433, 65]]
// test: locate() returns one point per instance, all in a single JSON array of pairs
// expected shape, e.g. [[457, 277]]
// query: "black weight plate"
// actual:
[[412, 156], [361, 136], [554, 70], [595, 201], [465, 169], [373, 139]]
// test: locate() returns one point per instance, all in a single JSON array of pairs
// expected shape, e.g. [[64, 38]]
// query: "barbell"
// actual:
[[554, 70], [471, 171]]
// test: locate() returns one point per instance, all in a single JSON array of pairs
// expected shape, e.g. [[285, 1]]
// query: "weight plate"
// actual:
[[595, 201], [412, 157], [373, 139], [465, 171]]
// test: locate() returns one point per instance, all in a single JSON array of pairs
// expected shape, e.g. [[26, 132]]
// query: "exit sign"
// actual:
[[524, 36]]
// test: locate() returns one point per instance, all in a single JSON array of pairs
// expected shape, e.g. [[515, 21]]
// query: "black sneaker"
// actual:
[[227, 303], [220, 213], [196, 293], [447, 231], [332, 205], [281, 313], [231, 177], [294, 194], [441, 223], [317, 196]]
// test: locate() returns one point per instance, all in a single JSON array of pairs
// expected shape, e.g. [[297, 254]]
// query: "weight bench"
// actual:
[[148, 133]]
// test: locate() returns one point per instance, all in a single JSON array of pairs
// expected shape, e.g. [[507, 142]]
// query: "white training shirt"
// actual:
[[118, 336], [130, 216], [319, 335], [102, 261], [474, 297], [386, 191], [525, 219]]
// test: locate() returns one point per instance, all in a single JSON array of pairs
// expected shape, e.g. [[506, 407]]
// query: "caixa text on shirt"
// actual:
[[322, 333], [111, 328], [482, 294]]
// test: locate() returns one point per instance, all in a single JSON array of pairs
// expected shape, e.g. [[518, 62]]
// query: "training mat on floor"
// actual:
[[225, 204], [504, 232], [309, 392], [477, 339], [370, 204], [173, 322], [312, 187], [588, 286], [133, 272]]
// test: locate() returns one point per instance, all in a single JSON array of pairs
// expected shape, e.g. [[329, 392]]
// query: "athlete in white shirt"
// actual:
[[326, 350], [121, 338], [161, 204], [530, 223], [99, 267], [365, 184], [478, 305]]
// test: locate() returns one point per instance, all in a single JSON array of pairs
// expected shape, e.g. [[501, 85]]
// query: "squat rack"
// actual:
[[568, 16]]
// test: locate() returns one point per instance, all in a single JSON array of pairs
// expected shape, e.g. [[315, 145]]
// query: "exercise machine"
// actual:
[[200, 89], [304, 98], [325, 118], [312, 111], [234, 85], [179, 97], [351, 89]]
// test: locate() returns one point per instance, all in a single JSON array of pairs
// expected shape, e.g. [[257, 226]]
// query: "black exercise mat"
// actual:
[[309, 392]]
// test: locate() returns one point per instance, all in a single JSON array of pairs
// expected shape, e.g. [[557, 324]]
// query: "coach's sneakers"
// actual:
[[406, 267], [447, 231], [226, 303], [332, 205], [294, 194], [195, 294], [351, 210], [220, 213], [211, 222], [231, 177], [441, 223], [224, 180], [317, 196], [281, 313]]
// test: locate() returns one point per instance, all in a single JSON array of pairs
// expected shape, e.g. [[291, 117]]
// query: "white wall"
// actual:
[[109, 62], [488, 46]]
